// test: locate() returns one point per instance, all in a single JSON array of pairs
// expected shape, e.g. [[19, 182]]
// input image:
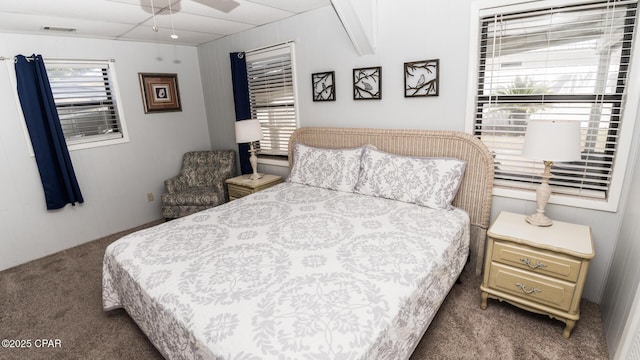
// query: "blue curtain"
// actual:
[[50, 149], [241, 102]]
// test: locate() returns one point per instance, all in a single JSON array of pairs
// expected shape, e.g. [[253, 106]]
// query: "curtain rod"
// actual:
[[269, 46], [2, 58]]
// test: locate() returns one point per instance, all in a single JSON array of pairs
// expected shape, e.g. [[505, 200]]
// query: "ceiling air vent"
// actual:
[[58, 29]]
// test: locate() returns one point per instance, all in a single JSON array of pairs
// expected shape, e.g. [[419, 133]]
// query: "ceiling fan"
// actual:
[[174, 6], [220, 5]]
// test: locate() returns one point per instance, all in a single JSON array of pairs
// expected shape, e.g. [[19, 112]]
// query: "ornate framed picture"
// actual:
[[323, 85], [421, 78], [367, 83], [160, 92]]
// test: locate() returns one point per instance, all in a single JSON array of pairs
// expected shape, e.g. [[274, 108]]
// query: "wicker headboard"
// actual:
[[475, 192]]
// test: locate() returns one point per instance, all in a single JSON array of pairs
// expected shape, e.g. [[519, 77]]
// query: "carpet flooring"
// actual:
[[51, 308]]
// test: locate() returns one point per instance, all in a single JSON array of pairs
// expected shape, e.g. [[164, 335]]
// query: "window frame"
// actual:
[[278, 160], [483, 8], [85, 143]]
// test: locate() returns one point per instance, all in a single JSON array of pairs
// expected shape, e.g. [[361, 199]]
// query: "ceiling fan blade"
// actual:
[[221, 5]]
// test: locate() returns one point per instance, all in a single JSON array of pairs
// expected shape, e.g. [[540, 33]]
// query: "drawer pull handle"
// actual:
[[528, 292], [527, 262]]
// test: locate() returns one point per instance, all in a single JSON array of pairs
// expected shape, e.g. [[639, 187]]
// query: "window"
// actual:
[[567, 62], [272, 96], [85, 97]]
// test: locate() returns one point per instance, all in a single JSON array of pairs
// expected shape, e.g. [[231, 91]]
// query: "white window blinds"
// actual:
[[568, 63], [272, 95], [85, 100]]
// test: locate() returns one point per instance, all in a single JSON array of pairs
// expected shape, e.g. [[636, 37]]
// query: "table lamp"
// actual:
[[550, 141], [249, 131]]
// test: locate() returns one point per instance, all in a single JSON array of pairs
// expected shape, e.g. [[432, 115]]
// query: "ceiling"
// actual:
[[195, 21]]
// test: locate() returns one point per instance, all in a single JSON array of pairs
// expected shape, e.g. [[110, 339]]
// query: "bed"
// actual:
[[324, 266]]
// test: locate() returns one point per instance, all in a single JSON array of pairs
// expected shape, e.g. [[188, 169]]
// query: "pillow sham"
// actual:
[[335, 169], [431, 182]]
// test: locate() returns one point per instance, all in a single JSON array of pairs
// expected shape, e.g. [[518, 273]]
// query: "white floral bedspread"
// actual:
[[292, 272]]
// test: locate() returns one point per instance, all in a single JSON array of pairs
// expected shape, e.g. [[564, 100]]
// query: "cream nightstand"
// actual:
[[539, 269], [240, 186]]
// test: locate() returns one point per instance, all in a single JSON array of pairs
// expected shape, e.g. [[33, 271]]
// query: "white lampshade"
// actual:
[[248, 131], [552, 140]]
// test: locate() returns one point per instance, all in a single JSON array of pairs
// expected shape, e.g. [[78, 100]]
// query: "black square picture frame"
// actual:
[[323, 86], [421, 78], [367, 83]]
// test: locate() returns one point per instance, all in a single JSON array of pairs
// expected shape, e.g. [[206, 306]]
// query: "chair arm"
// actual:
[[220, 187], [176, 183], [227, 172]]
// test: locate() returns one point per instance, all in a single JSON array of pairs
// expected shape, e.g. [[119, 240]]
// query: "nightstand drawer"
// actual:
[[537, 260], [236, 192], [536, 288]]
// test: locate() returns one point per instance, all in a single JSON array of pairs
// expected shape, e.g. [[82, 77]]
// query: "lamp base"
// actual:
[[539, 219], [253, 159], [542, 197]]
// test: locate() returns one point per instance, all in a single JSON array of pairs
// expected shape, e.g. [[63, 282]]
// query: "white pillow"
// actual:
[[431, 182], [335, 169]]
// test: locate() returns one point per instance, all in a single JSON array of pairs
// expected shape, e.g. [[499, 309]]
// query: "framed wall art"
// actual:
[[160, 92], [421, 78], [323, 85], [367, 83]]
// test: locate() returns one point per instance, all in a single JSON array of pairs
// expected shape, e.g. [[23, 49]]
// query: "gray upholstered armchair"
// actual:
[[200, 184]]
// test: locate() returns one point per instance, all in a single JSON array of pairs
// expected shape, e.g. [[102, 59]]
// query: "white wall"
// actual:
[[624, 276], [114, 179], [410, 30]]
